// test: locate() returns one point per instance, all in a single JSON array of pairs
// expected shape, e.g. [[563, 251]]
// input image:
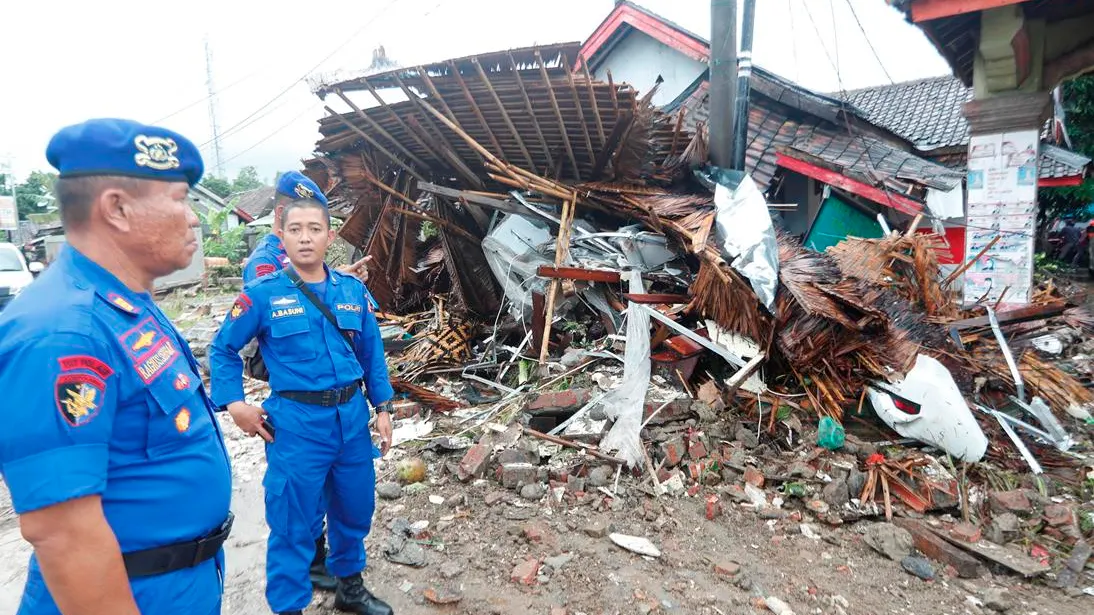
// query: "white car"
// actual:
[[15, 275]]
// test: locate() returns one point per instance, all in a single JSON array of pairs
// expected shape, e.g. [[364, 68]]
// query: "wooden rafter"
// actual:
[[475, 109], [399, 120], [435, 95], [380, 129], [611, 90], [558, 115], [375, 143], [531, 112], [578, 106], [505, 115], [592, 98]]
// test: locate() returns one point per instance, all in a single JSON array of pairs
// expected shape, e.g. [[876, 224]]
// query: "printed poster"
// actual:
[[1002, 202]]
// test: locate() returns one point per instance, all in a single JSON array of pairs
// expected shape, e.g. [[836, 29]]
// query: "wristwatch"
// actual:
[[384, 407]]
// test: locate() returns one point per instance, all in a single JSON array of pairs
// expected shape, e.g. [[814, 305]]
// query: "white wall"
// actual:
[[639, 58]]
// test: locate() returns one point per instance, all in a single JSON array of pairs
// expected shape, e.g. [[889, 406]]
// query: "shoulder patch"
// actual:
[[264, 269], [79, 397], [121, 303], [75, 362], [240, 307]]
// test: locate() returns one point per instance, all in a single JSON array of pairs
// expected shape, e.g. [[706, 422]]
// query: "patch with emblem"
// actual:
[[242, 304], [348, 307], [182, 382], [304, 192], [122, 302], [156, 152], [182, 420], [79, 397], [264, 269], [79, 361], [150, 349], [286, 301]]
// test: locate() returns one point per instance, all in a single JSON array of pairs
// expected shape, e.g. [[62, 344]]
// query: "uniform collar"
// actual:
[[331, 278], [274, 242], [90, 274]]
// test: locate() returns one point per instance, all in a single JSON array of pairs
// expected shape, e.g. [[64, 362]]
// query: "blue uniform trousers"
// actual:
[[299, 471], [196, 590]]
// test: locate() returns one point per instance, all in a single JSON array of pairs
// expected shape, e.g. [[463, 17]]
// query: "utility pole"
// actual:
[[723, 75], [212, 107], [744, 74]]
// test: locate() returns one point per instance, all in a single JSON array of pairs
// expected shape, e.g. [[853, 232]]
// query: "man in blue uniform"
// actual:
[[269, 256], [108, 441], [316, 408]]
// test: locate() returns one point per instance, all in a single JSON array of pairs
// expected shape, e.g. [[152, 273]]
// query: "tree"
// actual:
[[1079, 106], [247, 179], [36, 194], [4, 189], [218, 186]]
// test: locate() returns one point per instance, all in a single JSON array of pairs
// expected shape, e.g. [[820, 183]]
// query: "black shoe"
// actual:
[[320, 578], [352, 596]]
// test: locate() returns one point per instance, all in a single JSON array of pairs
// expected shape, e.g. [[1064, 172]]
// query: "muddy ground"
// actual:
[[472, 548], [481, 532]]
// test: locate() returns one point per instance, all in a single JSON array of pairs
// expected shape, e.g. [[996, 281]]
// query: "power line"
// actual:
[[277, 130], [310, 70], [206, 97], [867, 37], [820, 38]]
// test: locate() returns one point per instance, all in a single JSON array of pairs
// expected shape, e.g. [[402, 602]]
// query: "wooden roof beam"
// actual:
[[475, 110], [558, 115], [380, 129], [592, 97], [376, 144], [532, 113], [578, 106], [505, 116]]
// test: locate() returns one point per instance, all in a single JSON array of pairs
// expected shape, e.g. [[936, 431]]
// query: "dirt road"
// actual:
[[481, 533]]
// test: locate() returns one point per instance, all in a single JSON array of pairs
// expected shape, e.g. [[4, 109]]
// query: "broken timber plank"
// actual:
[[736, 380], [655, 298], [706, 343], [577, 273], [1033, 312], [930, 544], [1005, 556]]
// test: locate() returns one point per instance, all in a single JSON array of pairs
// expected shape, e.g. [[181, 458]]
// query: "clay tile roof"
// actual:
[[926, 112]]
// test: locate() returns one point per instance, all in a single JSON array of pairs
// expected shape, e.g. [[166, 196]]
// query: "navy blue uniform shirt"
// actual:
[[303, 351], [102, 396]]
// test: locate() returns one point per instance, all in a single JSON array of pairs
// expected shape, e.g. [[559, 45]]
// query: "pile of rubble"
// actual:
[[572, 300]]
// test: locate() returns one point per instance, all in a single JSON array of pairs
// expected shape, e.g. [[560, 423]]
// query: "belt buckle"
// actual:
[[209, 538]]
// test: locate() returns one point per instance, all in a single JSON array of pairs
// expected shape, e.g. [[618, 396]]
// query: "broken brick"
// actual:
[[714, 507], [1014, 501], [673, 451], [966, 532], [474, 462], [525, 572], [406, 409], [754, 477], [1058, 514], [935, 547], [512, 475], [517, 455], [677, 410], [533, 533], [697, 450], [558, 401], [694, 490]]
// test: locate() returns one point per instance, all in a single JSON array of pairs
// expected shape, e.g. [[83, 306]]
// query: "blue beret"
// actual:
[[296, 185], [124, 147]]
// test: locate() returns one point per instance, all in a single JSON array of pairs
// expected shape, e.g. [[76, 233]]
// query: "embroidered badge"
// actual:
[[143, 341], [150, 350], [156, 153], [304, 192], [348, 307], [122, 303], [289, 311], [75, 362], [79, 397], [182, 420], [242, 304], [182, 382], [264, 269]]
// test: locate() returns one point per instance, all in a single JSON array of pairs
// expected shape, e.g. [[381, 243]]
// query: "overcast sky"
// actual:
[[65, 61]]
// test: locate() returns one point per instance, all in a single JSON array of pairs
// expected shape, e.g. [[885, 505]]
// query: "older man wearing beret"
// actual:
[[108, 441]]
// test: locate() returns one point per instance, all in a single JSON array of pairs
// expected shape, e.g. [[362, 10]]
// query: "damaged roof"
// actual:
[[254, 204], [929, 113], [789, 119]]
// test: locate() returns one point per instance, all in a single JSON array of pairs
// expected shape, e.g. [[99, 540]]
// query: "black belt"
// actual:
[[161, 560], [332, 397]]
